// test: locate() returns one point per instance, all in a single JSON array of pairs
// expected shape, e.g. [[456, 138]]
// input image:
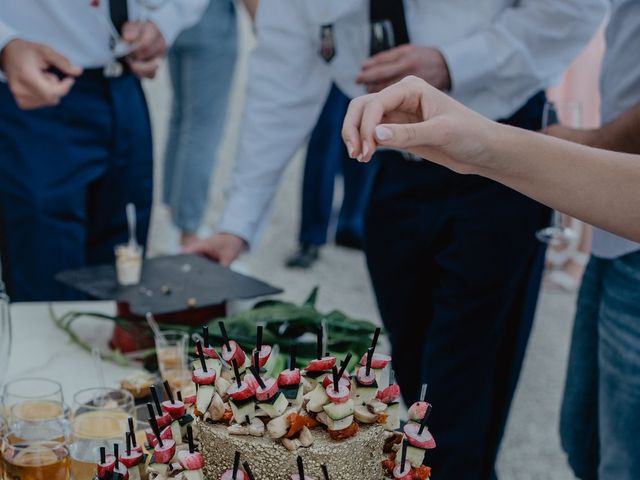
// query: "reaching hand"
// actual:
[[393, 65], [223, 248], [27, 67], [414, 116], [149, 44]]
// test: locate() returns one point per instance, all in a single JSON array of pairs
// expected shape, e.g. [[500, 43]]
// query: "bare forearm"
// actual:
[[621, 135], [596, 186]]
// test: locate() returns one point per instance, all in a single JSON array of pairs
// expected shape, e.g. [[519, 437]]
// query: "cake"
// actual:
[[318, 422]]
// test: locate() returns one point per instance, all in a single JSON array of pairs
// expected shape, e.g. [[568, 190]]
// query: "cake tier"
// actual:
[[356, 458]]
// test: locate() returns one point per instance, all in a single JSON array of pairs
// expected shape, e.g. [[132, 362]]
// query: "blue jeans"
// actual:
[[66, 175], [201, 65], [326, 158], [600, 418]]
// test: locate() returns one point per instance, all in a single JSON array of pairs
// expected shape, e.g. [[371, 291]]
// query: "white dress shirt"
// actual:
[[78, 31], [620, 90], [499, 52]]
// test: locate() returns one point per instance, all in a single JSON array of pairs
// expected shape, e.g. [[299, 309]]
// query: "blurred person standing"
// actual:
[[454, 260], [600, 417], [201, 65], [75, 136], [326, 158]]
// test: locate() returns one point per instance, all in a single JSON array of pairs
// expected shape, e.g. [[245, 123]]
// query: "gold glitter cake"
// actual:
[[357, 458]]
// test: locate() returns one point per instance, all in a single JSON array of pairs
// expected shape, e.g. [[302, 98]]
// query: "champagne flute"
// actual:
[[5, 335], [560, 233], [382, 36]]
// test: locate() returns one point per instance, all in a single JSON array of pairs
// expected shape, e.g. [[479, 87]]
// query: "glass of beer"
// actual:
[[34, 459], [99, 419], [172, 358], [41, 393], [39, 420]]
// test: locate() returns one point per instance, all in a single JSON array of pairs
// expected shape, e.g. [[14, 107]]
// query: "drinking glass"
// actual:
[[34, 459], [382, 36], [99, 419], [39, 398], [5, 335], [3, 432], [173, 359], [39, 421], [560, 233]]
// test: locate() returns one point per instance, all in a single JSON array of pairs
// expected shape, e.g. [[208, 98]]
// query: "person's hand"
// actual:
[[414, 116], [223, 248], [27, 67], [575, 135], [149, 47], [391, 66]]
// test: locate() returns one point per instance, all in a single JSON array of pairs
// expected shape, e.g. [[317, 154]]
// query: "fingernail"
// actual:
[[383, 133], [359, 158], [365, 149], [350, 149]]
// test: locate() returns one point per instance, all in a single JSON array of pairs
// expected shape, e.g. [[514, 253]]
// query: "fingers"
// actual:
[[388, 56], [147, 38], [383, 73], [351, 126], [203, 247], [60, 62], [142, 69]]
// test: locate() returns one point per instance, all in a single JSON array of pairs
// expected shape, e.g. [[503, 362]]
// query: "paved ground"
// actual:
[[531, 449]]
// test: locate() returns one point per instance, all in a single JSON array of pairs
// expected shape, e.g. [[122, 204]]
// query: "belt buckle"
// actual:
[[113, 69]]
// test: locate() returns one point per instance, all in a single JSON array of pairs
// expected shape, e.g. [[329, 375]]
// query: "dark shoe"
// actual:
[[349, 240], [305, 257]]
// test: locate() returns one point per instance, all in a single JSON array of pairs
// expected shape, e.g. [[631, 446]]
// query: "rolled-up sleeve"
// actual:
[[177, 15], [524, 49], [287, 87]]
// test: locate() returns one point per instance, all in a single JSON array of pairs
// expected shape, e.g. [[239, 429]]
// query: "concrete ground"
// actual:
[[531, 449]]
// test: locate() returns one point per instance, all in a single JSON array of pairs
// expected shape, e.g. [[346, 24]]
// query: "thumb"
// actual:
[[408, 135], [61, 62]]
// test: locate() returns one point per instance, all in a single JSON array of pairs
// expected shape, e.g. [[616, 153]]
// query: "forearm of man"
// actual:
[[597, 186], [621, 135]]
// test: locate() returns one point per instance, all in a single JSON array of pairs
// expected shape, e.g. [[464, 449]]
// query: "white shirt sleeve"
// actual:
[[526, 47], [6, 34], [288, 85], [178, 15]]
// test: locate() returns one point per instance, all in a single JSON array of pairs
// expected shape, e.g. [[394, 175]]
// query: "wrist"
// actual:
[[5, 50]]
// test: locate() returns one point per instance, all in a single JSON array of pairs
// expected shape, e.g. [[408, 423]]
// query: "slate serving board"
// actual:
[[169, 285]]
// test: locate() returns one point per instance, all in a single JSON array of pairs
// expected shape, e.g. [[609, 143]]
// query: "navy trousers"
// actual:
[[66, 174], [326, 158], [456, 270]]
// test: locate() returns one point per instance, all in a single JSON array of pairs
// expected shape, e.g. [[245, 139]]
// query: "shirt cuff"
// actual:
[[168, 20], [235, 221], [6, 35], [465, 70]]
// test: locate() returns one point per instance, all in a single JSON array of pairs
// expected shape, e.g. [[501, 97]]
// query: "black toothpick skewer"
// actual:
[[203, 363], [344, 365], [225, 336], [256, 373], [132, 432], [248, 471], [300, 468], [236, 465], [167, 388], [336, 378], [325, 472], [236, 372], [259, 338], [369, 359], [376, 336], [319, 340], [425, 419], [192, 447], [292, 357], [423, 392], [156, 399], [128, 436], [103, 455], [156, 430], [205, 336], [403, 457], [152, 412], [116, 453], [179, 394]]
